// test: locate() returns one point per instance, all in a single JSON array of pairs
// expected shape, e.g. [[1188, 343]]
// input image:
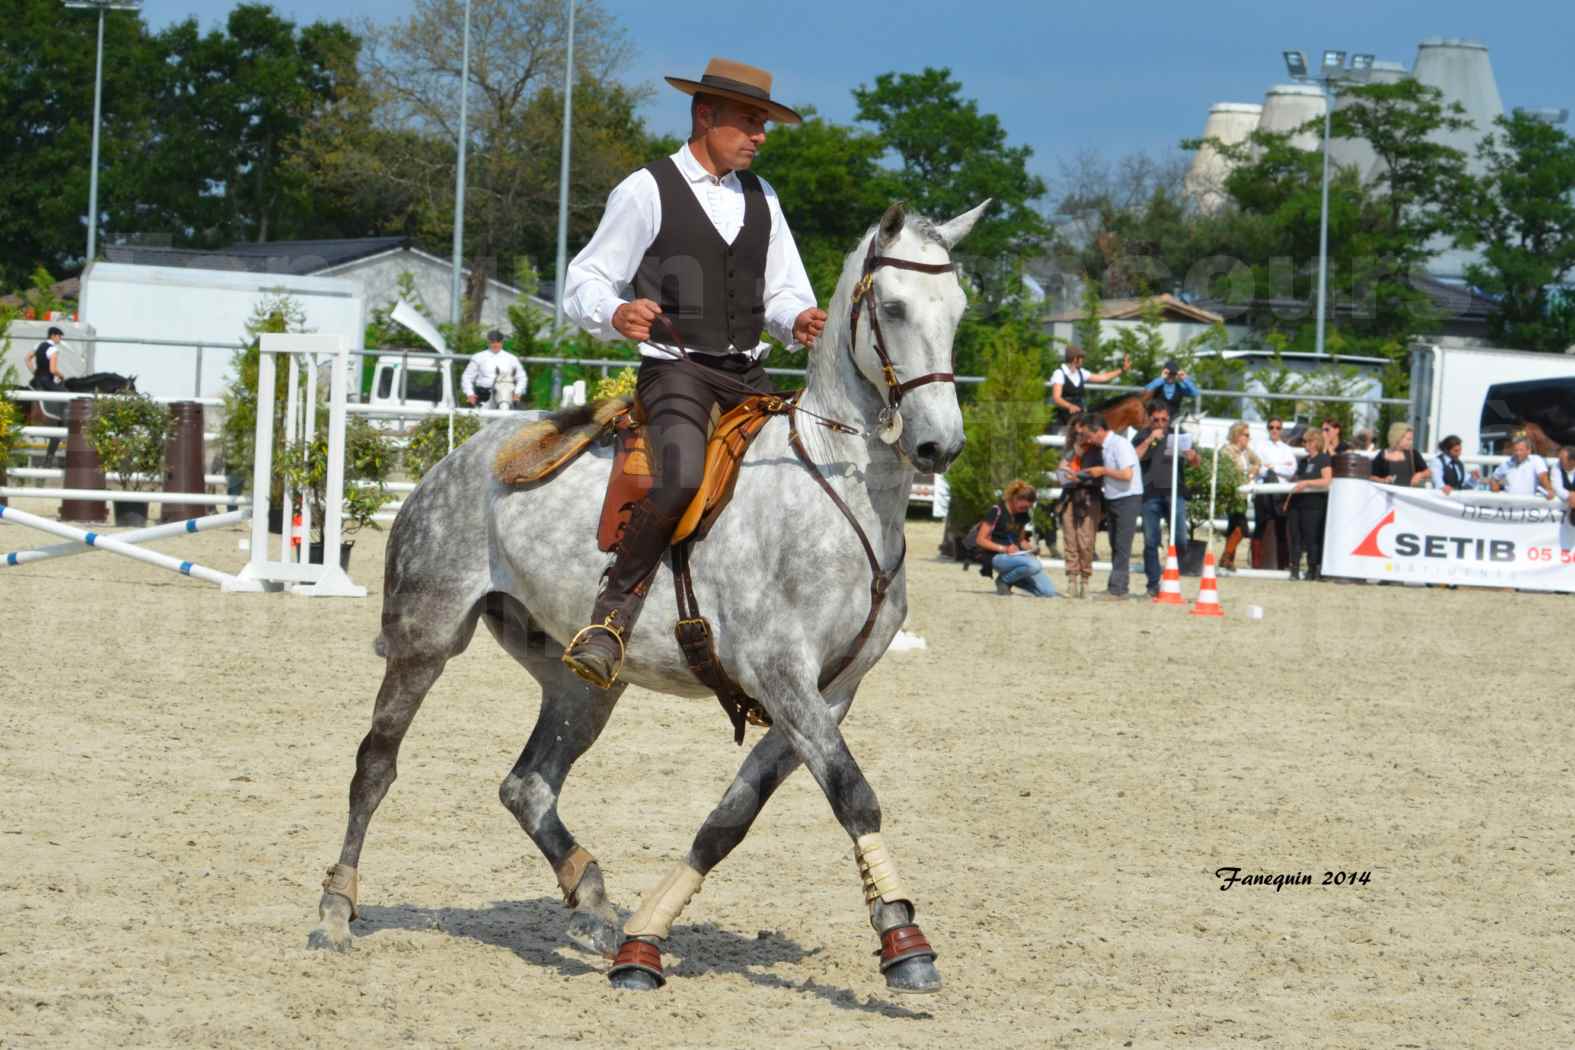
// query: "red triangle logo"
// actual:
[[1368, 548]]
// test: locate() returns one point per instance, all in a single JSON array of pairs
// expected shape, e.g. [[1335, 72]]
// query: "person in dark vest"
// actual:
[[1069, 385], [699, 245], [48, 377], [1448, 472]]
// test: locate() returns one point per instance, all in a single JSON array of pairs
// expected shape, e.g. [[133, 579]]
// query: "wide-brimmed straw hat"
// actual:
[[728, 79]]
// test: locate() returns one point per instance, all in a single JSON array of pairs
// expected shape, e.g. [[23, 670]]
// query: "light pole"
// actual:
[[563, 199], [1331, 74], [101, 6], [459, 180]]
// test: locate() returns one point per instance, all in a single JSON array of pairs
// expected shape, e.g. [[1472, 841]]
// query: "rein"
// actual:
[[694, 632]]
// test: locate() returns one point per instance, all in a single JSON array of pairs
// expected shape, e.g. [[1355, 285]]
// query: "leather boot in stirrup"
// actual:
[[596, 652]]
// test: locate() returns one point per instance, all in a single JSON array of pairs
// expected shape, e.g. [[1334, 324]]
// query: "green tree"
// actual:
[[46, 128], [832, 188], [951, 157], [1521, 214], [1002, 425]]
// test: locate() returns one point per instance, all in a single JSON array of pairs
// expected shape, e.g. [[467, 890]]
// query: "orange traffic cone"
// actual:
[[1208, 603], [296, 531], [1170, 582]]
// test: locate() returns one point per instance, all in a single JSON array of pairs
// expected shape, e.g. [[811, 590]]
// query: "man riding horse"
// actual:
[[702, 244]]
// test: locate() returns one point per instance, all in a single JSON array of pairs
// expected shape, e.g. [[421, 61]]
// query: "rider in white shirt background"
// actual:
[[482, 374]]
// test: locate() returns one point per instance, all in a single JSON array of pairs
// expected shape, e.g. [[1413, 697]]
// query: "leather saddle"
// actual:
[[632, 474]]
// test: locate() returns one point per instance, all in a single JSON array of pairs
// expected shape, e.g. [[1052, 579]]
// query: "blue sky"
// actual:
[[1064, 78]]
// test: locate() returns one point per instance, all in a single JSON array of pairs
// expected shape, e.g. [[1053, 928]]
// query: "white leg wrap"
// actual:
[[881, 882], [662, 905], [346, 882]]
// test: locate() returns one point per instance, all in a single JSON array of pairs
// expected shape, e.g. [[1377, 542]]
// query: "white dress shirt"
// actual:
[[601, 277], [1278, 457], [1523, 478], [485, 368], [1119, 453]]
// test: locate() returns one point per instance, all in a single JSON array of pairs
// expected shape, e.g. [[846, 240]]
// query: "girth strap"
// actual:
[[699, 649], [880, 582]]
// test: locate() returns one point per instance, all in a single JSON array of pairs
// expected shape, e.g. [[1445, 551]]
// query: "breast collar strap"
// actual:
[[865, 290]]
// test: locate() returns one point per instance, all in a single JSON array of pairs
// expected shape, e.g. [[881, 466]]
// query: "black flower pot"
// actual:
[[276, 519], [131, 515], [314, 553]]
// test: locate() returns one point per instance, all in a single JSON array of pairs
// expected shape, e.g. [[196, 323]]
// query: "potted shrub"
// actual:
[[427, 442], [238, 431], [128, 432], [368, 461], [10, 437], [1228, 498]]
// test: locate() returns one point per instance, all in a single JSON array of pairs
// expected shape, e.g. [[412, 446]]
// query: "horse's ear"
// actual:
[[955, 230], [892, 222]]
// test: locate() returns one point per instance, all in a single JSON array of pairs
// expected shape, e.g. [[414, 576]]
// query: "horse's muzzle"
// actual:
[[930, 457]]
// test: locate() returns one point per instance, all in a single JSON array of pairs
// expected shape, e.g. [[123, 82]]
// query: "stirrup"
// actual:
[[585, 672]]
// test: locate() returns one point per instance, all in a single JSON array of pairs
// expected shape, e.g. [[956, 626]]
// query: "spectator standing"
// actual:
[[1522, 474], [1401, 463], [1156, 450], [1171, 387], [1308, 506], [1082, 506], [1002, 534], [482, 374], [1332, 444], [1278, 460], [1123, 492], [1562, 474], [1448, 472], [1069, 383], [1238, 449]]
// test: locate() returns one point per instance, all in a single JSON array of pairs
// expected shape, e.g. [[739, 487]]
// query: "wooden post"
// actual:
[[83, 469]]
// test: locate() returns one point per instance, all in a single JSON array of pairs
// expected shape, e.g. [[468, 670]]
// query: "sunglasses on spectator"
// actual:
[[1275, 426]]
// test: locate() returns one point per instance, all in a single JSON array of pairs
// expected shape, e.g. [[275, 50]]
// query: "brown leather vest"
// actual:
[[714, 291]]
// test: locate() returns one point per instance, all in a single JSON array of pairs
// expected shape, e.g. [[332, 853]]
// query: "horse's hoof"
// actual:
[[633, 981], [321, 939], [637, 967], [591, 933], [916, 976], [908, 961]]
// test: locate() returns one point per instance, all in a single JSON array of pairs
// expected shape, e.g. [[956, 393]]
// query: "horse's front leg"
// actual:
[[768, 764], [812, 728]]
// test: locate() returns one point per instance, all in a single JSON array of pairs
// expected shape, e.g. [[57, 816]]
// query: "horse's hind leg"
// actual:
[[405, 685], [573, 714], [766, 766]]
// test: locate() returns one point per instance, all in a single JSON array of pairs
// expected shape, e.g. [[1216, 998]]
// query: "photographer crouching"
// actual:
[[1002, 536]]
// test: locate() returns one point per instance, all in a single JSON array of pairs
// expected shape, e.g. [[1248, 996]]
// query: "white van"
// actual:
[[428, 383]]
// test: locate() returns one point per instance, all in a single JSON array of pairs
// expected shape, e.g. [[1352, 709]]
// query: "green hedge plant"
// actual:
[[128, 433]]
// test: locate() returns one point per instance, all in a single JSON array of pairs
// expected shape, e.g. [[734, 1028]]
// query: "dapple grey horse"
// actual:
[[782, 576]]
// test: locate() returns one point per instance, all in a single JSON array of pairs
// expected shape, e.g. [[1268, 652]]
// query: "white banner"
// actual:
[[1380, 532]]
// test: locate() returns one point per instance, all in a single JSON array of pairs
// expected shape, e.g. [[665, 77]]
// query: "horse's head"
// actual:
[[907, 304]]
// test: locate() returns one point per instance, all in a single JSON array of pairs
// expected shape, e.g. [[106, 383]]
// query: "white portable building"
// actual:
[[139, 311]]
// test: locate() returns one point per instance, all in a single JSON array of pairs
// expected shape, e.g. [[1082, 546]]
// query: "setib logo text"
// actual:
[[1415, 545]]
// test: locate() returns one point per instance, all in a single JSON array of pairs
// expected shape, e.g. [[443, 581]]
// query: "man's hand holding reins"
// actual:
[[808, 326], [633, 320]]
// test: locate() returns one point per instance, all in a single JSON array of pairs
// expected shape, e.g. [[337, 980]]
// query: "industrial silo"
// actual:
[[1356, 153], [1230, 123], [1287, 107], [1462, 71]]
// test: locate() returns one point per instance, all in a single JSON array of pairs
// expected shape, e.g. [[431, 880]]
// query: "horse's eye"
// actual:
[[893, 310]]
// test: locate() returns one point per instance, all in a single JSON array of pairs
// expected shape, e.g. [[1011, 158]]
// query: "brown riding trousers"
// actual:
[[677, 400]]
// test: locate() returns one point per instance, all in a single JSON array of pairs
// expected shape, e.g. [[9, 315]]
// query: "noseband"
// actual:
[[865, 290]]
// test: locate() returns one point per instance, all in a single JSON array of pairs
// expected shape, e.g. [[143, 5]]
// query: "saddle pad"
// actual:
[[540, 449], [631, 478]]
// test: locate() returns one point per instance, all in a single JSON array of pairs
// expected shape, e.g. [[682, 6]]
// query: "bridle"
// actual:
[[865, 290]]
